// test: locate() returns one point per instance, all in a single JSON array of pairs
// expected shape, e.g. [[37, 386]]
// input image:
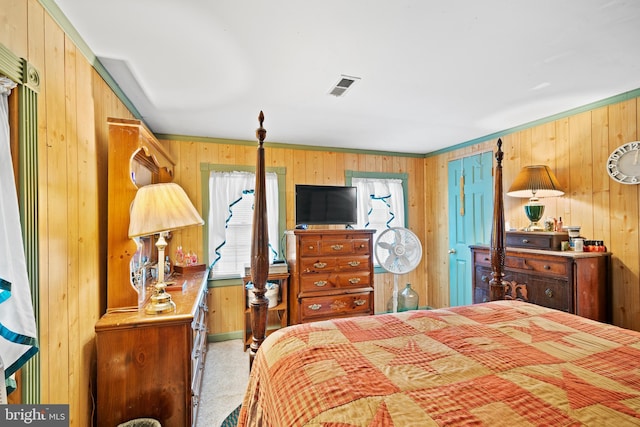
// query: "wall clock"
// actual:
[[623, 164]]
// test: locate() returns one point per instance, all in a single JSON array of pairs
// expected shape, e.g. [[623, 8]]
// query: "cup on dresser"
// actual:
[[578, 245]]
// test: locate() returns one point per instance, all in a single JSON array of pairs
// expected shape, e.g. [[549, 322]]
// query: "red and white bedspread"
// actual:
[[500, 363]]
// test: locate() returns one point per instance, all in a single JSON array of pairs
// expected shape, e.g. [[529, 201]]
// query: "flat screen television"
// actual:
[[325, 204]]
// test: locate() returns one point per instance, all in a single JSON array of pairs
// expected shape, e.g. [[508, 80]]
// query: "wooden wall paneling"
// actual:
[[13, 26], [330, 170], [227, 303], [314, 164], [58, 247], [624, 223], [601, 182], [188, 177], [579, 164], [88, 242], [72, 216], [560, 161]]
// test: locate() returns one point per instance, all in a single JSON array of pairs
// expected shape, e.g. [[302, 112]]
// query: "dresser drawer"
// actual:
[[552, 293], [327, 281], [335, 305], [318, 265], [353, 263], [482, 258], [336, 247], [536, 240], [544, 266], [312, 245]]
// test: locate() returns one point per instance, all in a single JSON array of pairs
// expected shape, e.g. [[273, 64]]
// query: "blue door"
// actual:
[[470, 211]]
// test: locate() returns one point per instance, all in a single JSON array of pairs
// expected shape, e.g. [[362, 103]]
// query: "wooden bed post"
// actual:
[[496, 286], [259, 251]]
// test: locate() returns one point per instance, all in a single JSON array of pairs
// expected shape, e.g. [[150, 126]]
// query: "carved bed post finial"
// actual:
[[496, 285], [259, 250], [261, 133]]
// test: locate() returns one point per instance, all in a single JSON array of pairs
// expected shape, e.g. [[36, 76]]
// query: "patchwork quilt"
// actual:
[[502, 363]]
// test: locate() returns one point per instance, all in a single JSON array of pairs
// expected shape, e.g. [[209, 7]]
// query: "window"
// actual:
[[230, 219], [381, 200]]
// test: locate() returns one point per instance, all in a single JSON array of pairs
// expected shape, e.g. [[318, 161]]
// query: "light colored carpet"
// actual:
[[225, 379]]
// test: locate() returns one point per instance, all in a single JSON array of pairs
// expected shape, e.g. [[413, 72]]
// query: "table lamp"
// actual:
[[534, 182], [158, 209]]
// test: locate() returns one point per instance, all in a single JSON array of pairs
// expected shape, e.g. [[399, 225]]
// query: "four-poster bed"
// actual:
[[503, 362]]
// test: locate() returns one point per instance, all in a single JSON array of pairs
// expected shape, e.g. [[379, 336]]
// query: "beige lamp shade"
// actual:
[[161, 207], [535, 181]]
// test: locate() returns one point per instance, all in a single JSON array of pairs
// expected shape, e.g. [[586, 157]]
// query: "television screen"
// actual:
[[325, 204]]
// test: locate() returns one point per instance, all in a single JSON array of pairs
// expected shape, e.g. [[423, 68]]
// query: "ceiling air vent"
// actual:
[[343, 84]]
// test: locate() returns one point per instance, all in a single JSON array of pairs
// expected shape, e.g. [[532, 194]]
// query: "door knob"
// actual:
[[451, 251]]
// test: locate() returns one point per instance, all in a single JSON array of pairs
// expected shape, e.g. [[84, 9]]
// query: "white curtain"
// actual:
[[18, 336], [389, 191], [225, 188]]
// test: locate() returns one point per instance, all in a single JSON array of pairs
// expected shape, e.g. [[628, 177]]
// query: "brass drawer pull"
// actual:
[[337, 247], [360, 302], [354, 263], [484, 278], [315, 307], [525, 240], [320, 283], [362, 245], [320, 264], [547, 267], [354, 280], [311, 247], [549, 293]]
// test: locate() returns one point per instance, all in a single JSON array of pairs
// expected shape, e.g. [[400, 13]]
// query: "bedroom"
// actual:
[[74, 103]]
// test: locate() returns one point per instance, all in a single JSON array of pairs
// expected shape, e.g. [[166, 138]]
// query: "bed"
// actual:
[[503, 362]]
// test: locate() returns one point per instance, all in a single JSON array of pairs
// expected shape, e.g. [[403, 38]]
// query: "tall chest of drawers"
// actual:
[[331, 274], [575, 282]]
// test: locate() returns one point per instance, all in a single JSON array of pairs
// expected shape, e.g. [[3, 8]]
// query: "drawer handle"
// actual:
[[484, 278], [311, 247], [525, 240], [487, 258], [549, 293], [354, 280], [362, 245], [360, 302], [547, 267], [315, 307], [354, 263], [337, 247], [320, 264], [320, 283]]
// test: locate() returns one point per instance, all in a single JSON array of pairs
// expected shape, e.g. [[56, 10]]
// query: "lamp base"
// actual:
[[534, 226], [160, 303]]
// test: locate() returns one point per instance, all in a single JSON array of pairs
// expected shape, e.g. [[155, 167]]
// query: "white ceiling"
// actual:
[[433, 74]]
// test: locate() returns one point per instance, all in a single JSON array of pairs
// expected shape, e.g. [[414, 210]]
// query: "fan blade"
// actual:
[[398, 236], [389, 262], [385, 245], [404, 263]]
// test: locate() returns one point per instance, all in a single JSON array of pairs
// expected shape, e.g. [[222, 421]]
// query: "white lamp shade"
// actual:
[[161, 207]]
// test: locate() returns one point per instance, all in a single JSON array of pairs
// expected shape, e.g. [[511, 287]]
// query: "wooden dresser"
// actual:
[[575, 282], [152, 365], [331, 274]]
